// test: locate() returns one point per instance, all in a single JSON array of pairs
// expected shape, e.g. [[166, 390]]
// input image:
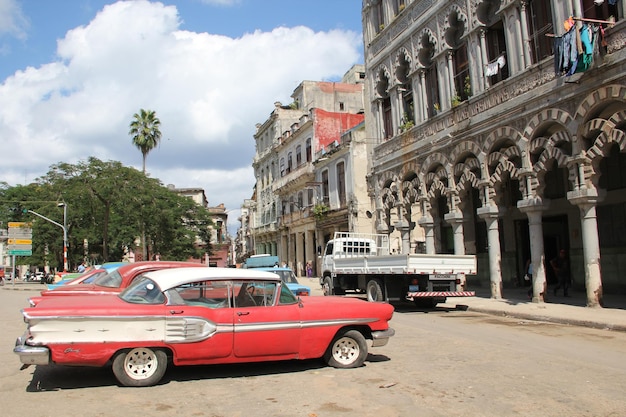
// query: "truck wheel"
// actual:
[[375, 290], [347, 350], [327, 287], [141, 367]]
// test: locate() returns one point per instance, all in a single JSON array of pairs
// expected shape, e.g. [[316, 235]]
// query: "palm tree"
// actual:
[[145, 132]]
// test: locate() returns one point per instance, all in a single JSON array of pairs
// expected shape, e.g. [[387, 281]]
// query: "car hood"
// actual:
[[345, 307]]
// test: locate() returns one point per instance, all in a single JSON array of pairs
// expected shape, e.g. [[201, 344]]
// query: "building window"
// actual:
[[387, 122], [540, 23], [379, 16], [603, 11], [289, 162], [308, 150], [341, 183], [282, 167], [325, 188], [432, 90], [496, 53], [398, 6], [298, 155], [461, 73], [300, 200]]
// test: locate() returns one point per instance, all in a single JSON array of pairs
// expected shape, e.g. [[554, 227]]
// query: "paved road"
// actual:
[[440, 363]]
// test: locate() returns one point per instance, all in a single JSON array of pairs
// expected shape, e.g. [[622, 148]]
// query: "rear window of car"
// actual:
[[112, 280], [143, 291]]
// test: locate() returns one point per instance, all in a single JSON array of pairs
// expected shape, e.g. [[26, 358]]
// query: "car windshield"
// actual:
[[143, 291], [112, 280], [287, 277]]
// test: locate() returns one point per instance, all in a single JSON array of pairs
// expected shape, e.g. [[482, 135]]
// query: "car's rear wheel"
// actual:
[[347, 350], [140, 367]]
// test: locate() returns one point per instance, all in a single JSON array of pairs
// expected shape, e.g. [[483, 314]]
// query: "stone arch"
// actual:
[[598, 99], [427, 47], [504, 132], [551, 115], [454, 20], [385, 178], [436, 188], [382, 81], [411, 191], [466, 146], [404, 64], [436, 158]]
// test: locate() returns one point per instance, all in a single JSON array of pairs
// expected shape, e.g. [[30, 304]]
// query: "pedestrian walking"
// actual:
[[309, 269], [561, 268]]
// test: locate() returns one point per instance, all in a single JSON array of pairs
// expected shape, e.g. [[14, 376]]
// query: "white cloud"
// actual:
[[209, 91], [12, 20]]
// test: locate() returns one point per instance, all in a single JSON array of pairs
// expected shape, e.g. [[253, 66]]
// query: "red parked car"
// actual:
[[113, 282], [193, 316]]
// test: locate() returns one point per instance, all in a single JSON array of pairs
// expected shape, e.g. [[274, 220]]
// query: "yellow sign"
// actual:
[[20, 225], [20, 241]]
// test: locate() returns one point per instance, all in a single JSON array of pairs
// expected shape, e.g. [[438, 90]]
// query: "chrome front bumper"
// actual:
[[381, 338], [31, 355]]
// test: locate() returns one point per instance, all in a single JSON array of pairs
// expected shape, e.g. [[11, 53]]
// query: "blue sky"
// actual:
[[73, 72]]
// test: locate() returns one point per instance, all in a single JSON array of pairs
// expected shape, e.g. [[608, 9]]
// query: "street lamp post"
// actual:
[[64, 235], [62, 226]]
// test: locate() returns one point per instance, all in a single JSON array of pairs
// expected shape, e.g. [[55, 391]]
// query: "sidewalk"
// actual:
[[515, 303], [564, 310]]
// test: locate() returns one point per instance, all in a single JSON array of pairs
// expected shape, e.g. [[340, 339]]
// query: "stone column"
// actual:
[[483, 53], [424, 97], [527, 58], [451, 75], [490, 214], [586, 199], [534, 210]]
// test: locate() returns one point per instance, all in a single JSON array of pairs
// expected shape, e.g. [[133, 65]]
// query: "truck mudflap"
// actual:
[[429, 294]]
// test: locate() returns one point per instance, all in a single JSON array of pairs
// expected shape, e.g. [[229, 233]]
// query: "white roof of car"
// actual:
[[173, 277]]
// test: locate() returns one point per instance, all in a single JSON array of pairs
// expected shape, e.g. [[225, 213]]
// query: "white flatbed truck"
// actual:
[[361, 263]]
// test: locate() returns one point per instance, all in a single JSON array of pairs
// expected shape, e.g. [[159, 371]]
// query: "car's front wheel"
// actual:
[[141, 367], [348, 350]]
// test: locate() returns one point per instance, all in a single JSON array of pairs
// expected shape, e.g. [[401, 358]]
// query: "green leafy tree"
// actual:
[[107, 204], [146, 133]]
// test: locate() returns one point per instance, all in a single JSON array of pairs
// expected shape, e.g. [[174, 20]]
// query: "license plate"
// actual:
[[442, 277]]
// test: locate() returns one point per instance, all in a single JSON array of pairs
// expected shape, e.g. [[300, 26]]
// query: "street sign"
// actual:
[[19, 247], [11, 241], [20, 252], [20, 241]]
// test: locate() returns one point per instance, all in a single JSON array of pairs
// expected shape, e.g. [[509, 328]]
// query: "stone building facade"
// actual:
[[485, 145], [304, 184]]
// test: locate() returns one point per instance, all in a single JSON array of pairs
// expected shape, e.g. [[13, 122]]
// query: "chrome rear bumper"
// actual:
[[380, 338], [31, 355]]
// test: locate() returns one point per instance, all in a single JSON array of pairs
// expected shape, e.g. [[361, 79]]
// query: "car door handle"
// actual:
[[177, 311], [243, 313]]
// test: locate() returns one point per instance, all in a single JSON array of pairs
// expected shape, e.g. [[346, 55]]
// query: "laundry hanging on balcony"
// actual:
[[576, 50]]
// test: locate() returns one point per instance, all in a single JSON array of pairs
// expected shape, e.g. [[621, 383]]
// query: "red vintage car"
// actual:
[[192, 316], [113, 282]]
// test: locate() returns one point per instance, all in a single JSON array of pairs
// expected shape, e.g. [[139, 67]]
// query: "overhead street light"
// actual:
[[62, 226]]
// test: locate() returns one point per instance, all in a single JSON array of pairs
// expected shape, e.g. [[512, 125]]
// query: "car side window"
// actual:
[[254, 293], [211, 294], [286, 296]]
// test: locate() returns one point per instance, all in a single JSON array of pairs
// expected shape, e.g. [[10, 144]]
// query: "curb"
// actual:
[[550, 319]]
